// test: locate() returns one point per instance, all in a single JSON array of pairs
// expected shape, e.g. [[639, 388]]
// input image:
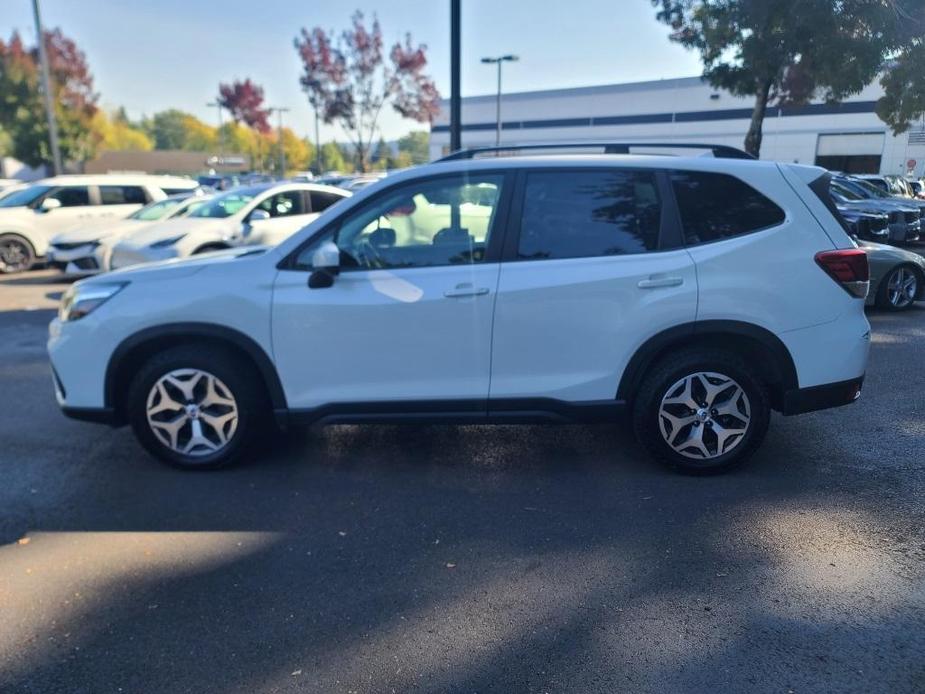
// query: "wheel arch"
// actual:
[[137, 348], [757, 345]]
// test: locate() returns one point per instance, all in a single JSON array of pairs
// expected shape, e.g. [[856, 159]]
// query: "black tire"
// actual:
[[665, 375], [235, 375], [882, 300], [16, 254]]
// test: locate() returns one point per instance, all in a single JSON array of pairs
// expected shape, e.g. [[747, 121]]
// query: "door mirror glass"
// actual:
[[49, 204], [257, 216], [326, 257]]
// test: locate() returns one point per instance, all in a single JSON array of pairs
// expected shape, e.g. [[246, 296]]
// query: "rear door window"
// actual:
[[589, 214], [123, 195], [717, 206]]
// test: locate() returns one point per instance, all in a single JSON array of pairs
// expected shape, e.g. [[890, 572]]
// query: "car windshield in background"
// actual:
[[863, 188], [24, 197], [227, 204], [156, 210]]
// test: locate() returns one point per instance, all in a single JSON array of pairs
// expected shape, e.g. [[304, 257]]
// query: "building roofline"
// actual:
[[670, 83]]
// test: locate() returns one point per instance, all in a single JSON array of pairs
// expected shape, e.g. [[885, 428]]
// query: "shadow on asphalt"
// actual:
[[482, 558]]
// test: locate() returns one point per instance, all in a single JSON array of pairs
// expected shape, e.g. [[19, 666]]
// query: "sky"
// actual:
[[150, 56]]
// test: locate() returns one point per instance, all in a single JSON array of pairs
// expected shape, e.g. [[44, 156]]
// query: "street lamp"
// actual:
[[221, 134], [489, 61], [282, 153]]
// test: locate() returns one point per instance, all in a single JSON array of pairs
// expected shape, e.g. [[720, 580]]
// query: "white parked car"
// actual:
[[248, 215], [30, 217], [695, 294], [86, 250]]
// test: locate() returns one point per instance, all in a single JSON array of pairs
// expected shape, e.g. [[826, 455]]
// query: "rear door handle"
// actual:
[[658, 282], [465, 290]]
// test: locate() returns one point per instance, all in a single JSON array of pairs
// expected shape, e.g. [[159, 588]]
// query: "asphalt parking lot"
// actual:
[[463, 559]]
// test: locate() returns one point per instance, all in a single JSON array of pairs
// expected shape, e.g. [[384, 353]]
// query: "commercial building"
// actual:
[[169, 161], [847, 136]]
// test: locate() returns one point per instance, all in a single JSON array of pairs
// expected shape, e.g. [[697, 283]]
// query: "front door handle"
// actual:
[[658, 282], [465, 290]]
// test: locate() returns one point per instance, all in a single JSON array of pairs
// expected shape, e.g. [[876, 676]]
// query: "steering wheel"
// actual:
[[369, 255]]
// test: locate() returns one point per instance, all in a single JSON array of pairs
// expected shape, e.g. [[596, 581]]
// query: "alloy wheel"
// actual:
[[704, 415], [14, 256], [192, 412], [902, 286]]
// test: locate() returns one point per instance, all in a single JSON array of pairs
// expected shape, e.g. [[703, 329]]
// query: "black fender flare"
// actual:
[[655, 346], [194, 330]]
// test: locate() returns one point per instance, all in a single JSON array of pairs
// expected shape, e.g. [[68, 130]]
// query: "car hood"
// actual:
[[879, 205], [179, 267], [882, 252], [97, 230], [172, 228], [16, 214]]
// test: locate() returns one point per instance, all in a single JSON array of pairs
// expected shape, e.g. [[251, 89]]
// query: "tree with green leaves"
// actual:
[[417, 145], [904, 79], [786, 51], [332, 157], [22, 109]]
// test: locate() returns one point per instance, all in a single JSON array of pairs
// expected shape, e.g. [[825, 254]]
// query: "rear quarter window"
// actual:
[[717, 206]]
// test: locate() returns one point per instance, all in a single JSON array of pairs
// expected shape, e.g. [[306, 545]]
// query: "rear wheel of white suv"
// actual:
[[16, 254], [195, 406], [701, 410]]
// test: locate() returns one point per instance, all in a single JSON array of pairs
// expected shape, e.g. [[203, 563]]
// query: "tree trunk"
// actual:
[[753, 137]]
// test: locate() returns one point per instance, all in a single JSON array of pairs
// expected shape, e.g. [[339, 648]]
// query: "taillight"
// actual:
[[848, 267]]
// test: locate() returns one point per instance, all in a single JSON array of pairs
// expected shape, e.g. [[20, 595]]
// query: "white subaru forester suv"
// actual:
[[695, 293]]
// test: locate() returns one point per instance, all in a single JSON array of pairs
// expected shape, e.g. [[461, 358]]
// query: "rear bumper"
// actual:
[[822, 397]]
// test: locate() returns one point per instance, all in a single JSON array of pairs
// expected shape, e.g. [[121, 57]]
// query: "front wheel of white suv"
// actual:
[[701, 411], [195, 406]]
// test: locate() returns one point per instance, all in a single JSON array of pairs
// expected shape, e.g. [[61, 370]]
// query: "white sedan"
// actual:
[[250, 215], [86, 249]]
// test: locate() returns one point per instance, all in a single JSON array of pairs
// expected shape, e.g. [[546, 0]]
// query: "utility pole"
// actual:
[[455, 98], [282, 153], [492, 61], [221, 135], [317, 141], [46, 87]]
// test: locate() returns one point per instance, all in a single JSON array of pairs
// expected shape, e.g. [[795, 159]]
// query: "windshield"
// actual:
[[862, 188], [24, 197], [156, 210], [845, 192], [227, 204]]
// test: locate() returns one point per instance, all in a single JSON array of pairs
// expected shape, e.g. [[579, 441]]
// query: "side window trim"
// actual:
[[496, 235], [670, 234]]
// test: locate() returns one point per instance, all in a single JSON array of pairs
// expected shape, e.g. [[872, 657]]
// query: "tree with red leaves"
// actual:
[[22, 112], [348, 80], [244, 101]]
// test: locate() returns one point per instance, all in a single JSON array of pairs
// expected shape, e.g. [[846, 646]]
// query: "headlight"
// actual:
[[80, 300], [167, 242]]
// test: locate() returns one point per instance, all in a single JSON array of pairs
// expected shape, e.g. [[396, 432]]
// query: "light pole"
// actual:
[[46, 87], [282, 154], [489, 61], [455, 62], [221, 135]]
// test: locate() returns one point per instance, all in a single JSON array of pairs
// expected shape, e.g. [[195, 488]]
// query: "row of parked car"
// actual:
[[85, 225]]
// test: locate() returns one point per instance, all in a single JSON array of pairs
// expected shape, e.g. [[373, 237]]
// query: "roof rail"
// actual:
[[718, 151]]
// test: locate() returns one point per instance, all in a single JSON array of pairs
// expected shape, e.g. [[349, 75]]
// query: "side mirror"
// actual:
[[326, 264], [257, 216], [49, 204]]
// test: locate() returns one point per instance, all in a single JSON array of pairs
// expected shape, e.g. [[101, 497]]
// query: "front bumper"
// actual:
[[905, 232], [822, 397], [88, 259]]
